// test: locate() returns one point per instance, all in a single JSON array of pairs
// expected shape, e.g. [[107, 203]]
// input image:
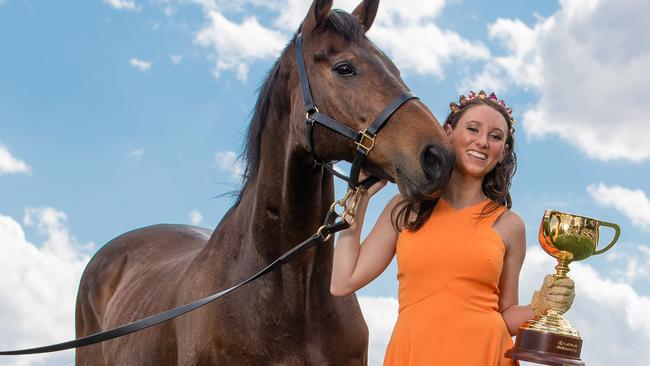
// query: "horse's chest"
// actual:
[[273, 338]]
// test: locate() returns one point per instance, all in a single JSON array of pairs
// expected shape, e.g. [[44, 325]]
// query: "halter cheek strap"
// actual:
[[364, 140]]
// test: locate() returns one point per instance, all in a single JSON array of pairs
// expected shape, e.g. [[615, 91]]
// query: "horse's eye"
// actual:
[[345, 69]]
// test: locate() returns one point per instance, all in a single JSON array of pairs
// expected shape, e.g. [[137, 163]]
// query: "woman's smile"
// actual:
[[477, 154]]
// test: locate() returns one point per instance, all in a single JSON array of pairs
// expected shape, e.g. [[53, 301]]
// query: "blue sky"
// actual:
[[119, 114]]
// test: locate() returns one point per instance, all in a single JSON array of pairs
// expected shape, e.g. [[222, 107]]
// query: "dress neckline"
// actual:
[[482, 202]]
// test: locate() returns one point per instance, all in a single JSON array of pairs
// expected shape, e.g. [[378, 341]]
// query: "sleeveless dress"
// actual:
[[448, 274]]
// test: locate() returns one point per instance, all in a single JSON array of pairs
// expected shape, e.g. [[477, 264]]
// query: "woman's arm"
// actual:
[[355, 264], [556, 293], [512, 230]]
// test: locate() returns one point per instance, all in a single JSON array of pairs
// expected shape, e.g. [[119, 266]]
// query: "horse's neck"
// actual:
[[288, 201], [284, 205]]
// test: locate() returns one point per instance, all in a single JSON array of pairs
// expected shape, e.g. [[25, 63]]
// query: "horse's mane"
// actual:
[[340, 23]]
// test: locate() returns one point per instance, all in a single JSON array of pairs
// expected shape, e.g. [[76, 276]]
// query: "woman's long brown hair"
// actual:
[[496, 184]]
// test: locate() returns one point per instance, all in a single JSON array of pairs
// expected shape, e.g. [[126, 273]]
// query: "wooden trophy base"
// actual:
[[546, 348]]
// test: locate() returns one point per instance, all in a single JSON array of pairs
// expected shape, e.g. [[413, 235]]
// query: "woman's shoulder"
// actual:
[[511, 227], [511, 219]]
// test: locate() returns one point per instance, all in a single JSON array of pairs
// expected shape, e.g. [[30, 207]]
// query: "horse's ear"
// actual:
[[366, 12], [317, 15]]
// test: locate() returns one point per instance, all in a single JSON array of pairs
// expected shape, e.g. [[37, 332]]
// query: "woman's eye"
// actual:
[[497, 137], [345, 69], [472, 129]]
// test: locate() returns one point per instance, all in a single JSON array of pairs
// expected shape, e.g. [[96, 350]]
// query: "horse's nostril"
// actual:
[[436, 162], [431, 157]]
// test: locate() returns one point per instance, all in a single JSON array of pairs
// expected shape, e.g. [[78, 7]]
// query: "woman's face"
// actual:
[[479, 140]]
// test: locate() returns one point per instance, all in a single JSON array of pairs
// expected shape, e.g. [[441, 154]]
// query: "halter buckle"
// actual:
[[363, 141]]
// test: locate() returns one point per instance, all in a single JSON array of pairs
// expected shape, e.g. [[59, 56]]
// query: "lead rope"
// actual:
[[333, 223]]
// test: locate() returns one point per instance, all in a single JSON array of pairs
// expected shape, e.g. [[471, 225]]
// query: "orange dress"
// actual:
[[448, 274]]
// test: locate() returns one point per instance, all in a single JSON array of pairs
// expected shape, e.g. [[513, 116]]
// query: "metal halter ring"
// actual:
[[320, 233], [308, 114]]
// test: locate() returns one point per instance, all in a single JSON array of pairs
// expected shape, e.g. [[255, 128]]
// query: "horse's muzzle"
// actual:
[[437, 163]]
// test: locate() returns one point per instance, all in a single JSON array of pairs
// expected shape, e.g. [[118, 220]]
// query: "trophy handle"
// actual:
[[544, 235], [617, 233], [546, 223]]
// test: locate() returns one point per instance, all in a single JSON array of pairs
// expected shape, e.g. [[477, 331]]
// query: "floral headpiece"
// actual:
[[464, 101]]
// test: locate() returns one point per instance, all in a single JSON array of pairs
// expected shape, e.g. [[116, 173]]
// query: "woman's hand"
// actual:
[[373, 188], [556, 294], [359, 202]]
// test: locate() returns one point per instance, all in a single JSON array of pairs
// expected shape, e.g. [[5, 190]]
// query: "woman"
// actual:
[[459, 255]]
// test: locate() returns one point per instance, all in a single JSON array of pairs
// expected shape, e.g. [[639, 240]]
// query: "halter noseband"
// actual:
[[364, 140]]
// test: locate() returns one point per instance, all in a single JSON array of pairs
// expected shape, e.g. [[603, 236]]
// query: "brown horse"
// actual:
[[288, 316]]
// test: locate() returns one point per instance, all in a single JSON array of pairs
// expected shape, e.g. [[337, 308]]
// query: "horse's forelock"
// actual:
[[344, 25]]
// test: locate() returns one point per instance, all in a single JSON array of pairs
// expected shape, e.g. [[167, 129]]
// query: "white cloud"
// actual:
[[405, 29], [140, 64], [136, 154], [227, 162], [380, 314], [408, 32], [630, 265], [292, 12], [123, 4], [237, 45], [38, 284], [9, 164], [633, 203], [176, 59], [196, 217], [425, 48], [587, 64], [168, 11]]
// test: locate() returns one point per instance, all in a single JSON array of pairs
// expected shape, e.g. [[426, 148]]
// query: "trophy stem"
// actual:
[[563, 260]]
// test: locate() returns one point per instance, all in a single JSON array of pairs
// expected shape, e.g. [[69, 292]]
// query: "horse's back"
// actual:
[[135, 275]]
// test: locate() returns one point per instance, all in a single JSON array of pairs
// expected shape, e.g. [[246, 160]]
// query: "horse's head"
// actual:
[[353, 82]]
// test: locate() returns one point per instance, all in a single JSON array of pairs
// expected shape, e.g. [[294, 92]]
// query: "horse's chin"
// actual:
[[376, 171], [415, 192]]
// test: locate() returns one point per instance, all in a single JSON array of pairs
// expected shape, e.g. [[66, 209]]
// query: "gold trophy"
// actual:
[[550, 339]]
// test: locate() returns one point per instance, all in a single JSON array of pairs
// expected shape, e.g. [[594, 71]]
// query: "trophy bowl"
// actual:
[[550, 339], [578, 235]]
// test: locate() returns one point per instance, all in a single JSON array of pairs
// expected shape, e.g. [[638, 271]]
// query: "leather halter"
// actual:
[[364, 140]]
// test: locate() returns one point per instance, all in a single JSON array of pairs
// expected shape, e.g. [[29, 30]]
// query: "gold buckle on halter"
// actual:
[[365, 138]]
